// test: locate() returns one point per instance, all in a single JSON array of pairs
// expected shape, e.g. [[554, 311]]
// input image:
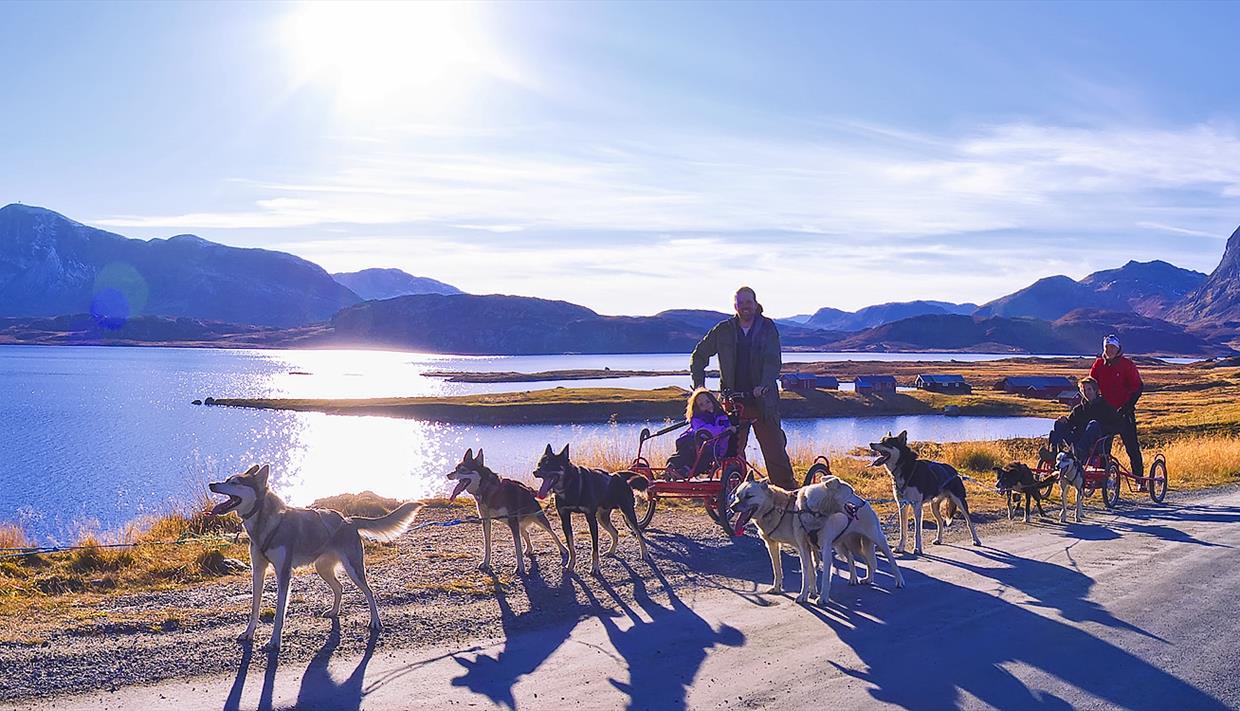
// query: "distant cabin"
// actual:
[[1069, 397], [808, 381], [955, 384], [1036, 386], [872, 384]]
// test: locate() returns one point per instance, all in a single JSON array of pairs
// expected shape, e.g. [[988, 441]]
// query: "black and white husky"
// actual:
[[915, 481]]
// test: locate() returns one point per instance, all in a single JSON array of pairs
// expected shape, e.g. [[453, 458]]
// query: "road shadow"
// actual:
[[494, 677], [934, 644], [233, 702], [1052, 586], [1150, 520], [664, 652], [720, 565], [319, 689]]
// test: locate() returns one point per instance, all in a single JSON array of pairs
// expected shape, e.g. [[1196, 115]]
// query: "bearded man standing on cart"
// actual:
[[749, 362]]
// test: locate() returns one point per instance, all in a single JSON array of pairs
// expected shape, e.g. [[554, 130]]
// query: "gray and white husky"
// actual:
[[285, 538]]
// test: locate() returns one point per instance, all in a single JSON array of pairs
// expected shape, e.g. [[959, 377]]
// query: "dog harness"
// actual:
[[851, 510]]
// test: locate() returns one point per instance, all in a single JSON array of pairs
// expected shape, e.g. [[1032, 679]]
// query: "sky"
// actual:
[[634, 157]]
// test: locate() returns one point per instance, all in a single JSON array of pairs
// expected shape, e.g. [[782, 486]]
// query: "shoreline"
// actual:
[[599, 405]]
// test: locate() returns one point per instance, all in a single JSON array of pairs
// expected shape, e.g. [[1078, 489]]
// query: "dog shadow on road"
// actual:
[[1051, 585], [985, 636], [664, 652], [233, 702], [494, 677], [720, 566], [1149, 521], [319, 689]]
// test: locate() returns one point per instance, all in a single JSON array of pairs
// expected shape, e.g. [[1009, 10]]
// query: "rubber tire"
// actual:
[[644, 505], [816, 470], [729, 480], [1158, 483], [1111, 487]]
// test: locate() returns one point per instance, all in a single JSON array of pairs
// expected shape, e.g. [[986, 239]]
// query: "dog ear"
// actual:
[[548, 453], [251, 471], [564, 452], [903, 437], [261, 475], [469, 454], [478, 461]]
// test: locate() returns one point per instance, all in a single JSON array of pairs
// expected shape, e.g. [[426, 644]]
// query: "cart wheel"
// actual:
[[1158, 479], [729, 480], [643, 505], [817, 471], [1110, 486]]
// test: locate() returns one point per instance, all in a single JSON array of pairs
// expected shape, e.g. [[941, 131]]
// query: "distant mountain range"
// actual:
[[871, 316], [188, 290], [390, 283], [51, 265]]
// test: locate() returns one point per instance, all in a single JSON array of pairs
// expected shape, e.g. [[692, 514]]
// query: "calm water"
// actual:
[[94, 437]]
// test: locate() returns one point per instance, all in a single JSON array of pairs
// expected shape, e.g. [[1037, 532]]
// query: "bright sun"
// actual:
[[388, 55]]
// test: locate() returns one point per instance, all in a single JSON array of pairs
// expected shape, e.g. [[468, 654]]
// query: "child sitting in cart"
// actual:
[[707, 421]]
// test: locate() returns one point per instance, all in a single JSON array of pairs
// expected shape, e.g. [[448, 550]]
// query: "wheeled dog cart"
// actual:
[[1103, 472], [714, 487]]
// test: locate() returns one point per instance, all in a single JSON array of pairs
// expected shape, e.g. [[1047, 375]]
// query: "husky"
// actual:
[[510, 500], [843, 523], [774, 510], [596, 494], [1070, 475], [1017, 480], [914, 482], [286, 537]]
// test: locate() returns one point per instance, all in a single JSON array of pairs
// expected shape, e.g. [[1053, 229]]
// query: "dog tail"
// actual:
[[635, 480], [388, 527]]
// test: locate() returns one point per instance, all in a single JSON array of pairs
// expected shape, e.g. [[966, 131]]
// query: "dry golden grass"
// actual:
[[1199, 461], [12, 536]]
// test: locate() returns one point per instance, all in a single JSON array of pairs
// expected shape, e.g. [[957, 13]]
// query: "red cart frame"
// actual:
[[1103, 472]]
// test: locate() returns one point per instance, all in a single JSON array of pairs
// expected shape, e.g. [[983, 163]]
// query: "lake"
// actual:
[[93, 437]]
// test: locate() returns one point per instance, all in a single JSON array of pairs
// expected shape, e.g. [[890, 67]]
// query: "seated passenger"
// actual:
[[1089, 421], [707, 421]]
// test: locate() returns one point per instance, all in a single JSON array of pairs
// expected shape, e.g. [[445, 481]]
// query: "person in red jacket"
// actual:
[[1121, 387]]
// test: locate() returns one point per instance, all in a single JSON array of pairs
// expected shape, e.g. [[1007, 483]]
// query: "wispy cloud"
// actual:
[[872, 213]]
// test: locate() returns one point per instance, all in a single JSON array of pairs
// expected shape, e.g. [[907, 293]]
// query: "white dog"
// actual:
[[1070, 474], [843, 523]]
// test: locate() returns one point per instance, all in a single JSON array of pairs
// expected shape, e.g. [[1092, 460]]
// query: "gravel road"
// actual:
[[1132, 609]]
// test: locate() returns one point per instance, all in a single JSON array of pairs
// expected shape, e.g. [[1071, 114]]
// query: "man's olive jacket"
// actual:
[[765, 360]]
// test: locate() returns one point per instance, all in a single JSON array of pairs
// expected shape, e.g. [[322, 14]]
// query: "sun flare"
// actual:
[[388, 55]]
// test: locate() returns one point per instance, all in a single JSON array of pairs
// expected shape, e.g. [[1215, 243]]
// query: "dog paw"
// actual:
[[609, 554], [271, 646], [802, 598], [330, 612], [977, 542], [774, 590], [246, 637], [899, 582], [375, 625], [484, 567], [519, 571], [596, 572]]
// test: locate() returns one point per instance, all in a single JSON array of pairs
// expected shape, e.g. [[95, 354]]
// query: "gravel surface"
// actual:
[[429, 590]]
